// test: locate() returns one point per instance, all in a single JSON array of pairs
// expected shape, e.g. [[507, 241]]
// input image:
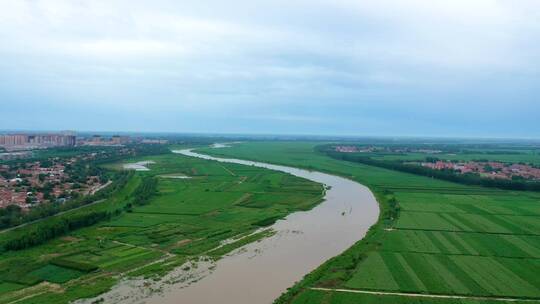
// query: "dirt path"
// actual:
[[424, 295], [167, 253], [228, 170], [41, 288], [93, 191]]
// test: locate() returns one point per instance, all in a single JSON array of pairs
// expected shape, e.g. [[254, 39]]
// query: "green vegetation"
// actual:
[[56, 274], [152, 224], [145, 191], [434, 237], [53, 228]]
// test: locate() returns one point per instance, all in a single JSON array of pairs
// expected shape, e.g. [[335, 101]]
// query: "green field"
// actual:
[[187, 218], [434, 237]]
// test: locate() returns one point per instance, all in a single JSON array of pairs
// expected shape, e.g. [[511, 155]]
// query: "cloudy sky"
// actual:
[[352, 67]]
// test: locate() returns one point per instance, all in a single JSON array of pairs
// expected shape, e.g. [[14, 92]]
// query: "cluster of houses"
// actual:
[[488, 169], [32, 183]]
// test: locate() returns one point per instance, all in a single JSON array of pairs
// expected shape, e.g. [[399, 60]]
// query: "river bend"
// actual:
[[259, 272]]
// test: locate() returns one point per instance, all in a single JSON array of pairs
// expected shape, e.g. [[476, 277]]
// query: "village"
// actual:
[[487, 169], [490, 169], [31, 183]]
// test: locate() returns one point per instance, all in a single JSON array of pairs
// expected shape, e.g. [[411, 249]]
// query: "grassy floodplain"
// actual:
[[185, 219], [433, 237]]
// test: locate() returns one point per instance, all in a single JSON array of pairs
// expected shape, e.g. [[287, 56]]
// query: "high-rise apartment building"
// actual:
[[37, 140]]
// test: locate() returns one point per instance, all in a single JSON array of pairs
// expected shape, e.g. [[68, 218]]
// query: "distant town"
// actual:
[[488, 169], [54, 180]]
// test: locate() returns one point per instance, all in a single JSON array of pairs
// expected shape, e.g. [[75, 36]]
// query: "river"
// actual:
[[259, 272]]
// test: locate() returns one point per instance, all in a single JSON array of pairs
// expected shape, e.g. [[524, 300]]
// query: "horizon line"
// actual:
[[262, 134]]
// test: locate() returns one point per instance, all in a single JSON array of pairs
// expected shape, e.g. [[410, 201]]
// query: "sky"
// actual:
[[338, 67]]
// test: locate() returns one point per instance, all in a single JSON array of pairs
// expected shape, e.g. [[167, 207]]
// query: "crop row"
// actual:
[[505, 224], [423, 241], [444, 274]]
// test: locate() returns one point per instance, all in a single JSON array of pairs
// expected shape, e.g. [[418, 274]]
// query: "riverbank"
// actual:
[[237, 199]]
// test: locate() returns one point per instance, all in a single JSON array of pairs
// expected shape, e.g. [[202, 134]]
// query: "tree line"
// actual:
[[53, 229], [143, 193], [145, 190]]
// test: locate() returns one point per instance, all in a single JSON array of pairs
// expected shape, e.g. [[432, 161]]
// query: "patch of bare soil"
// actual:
[[70, 239], [183, 242]]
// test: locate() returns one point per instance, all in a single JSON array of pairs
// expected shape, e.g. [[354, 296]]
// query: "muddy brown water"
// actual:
[[259, 272]]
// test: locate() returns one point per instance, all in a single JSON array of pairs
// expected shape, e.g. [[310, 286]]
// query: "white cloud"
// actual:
[[228, 54], [460, 34], [122, 48]]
